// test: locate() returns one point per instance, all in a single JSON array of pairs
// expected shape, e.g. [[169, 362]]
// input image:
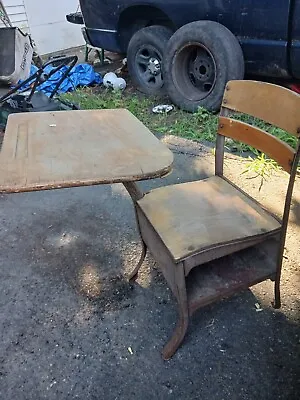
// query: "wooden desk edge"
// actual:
[[66, 185]]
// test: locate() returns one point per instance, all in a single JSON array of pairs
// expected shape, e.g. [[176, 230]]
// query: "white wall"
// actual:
[[46, 21], [48, 25], [16, 12]]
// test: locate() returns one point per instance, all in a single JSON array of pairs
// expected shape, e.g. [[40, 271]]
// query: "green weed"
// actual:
[[261, 166]]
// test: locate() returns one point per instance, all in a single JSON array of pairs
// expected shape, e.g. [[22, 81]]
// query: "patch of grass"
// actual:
[[199, 126]]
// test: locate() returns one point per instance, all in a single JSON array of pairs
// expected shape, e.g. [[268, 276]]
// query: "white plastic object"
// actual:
[[111, 80], [162, 109], [120, 84]]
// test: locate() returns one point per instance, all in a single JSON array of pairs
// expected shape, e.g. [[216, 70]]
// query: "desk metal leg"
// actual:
[[136, 194], [134, 274]]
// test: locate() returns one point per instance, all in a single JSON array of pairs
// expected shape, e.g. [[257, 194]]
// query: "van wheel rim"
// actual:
[[194, 71], [148, 61]]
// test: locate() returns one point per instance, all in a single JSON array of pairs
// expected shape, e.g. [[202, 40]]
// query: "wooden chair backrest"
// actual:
[[273, 104]]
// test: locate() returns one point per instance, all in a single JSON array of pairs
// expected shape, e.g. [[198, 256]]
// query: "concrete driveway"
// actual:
[[72, 327]]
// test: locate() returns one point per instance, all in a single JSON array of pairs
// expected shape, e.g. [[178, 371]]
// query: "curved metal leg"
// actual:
[[134, 274], [136, 194], [183, 311], [178, 335]]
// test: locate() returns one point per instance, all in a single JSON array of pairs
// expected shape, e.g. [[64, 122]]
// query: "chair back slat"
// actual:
[[259, 139], [274, 104]]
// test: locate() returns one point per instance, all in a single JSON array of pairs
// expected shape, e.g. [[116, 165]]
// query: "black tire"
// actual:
[[145, 56], [201, 57]]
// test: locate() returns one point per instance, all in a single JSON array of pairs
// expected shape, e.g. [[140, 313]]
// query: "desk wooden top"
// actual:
[[76, 148]]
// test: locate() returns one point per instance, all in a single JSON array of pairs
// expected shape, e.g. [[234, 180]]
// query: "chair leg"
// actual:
[[277, 297], [134, 274], [183, 317], [178, 335], [277, 300]]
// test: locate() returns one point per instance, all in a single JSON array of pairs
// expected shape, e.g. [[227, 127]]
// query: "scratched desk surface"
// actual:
[[76, 148]]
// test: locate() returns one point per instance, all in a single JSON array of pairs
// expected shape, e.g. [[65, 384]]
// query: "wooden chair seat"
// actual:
[[197, 216]]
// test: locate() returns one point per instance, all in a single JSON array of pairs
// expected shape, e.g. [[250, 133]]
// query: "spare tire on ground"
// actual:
[[201, 57], [145, 55]]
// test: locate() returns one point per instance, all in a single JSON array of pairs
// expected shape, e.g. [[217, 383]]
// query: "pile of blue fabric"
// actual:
[[80, 75]]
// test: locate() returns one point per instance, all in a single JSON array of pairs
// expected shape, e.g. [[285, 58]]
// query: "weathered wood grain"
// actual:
[[196, 216], [265, 101], [77, 148]]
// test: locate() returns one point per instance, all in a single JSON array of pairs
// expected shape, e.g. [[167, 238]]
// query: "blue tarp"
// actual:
[[80, 75]]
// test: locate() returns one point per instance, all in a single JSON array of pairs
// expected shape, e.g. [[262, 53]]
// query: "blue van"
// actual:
[[193, 47]]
